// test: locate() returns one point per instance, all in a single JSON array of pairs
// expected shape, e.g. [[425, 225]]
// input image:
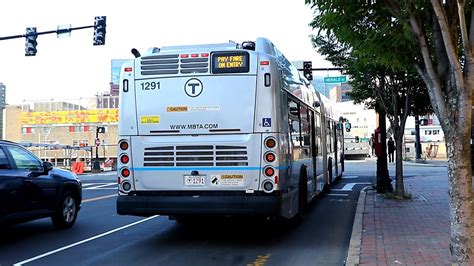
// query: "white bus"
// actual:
[[227, 129]]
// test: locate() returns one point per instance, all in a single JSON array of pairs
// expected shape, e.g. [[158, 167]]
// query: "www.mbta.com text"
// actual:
[[195, 126]]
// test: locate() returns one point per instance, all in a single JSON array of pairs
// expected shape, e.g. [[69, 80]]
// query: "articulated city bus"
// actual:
[[227, 129]]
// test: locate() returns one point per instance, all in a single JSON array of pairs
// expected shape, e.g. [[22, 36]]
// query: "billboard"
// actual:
[[70, 117]]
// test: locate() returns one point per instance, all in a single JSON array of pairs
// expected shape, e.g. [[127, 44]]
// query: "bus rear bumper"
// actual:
[[177, 204]]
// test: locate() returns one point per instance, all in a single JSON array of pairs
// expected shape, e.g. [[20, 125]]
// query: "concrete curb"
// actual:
[[425, 164], [353, 256]]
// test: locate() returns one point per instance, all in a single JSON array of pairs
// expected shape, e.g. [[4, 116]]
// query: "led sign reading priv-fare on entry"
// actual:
[[234, 62]]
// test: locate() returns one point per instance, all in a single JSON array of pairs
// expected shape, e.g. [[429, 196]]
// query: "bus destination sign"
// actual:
[[234, 62]]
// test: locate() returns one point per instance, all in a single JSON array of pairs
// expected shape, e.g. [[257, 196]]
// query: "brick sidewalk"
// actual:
[[407, 232]]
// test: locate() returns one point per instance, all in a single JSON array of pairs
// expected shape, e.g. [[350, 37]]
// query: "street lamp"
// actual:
[[96, 164]]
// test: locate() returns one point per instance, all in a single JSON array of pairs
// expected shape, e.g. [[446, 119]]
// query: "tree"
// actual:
[[441, 34], [396, 92]]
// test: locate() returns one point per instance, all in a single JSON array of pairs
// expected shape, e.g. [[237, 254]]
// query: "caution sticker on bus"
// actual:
[[230, 62], [150, 119], [227, 180]]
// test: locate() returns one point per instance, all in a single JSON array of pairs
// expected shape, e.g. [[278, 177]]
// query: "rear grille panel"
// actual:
[[197, 155], [173, 64]]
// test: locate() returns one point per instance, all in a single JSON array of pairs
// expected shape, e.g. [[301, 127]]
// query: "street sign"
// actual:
[[97, 142], [335, 79]]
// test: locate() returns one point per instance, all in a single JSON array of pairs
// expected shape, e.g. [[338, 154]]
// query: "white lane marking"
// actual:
[[103, 185], [339, 195], [99, 198], [349, 186], [89, 184], [350, 176], [83, 241]]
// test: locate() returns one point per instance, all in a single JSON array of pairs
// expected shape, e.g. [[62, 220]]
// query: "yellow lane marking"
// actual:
[[260, 261], [100, 198]]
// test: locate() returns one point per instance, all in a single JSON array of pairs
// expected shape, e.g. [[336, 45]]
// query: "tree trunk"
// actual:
[[460, 198], [399, 187], [384, 184]]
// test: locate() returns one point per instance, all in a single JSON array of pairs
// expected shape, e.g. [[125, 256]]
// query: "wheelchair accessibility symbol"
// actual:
[[266, 122]]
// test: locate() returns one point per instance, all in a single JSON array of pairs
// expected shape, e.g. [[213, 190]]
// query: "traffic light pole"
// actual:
[[96, 163], [58, 31], [31, 35]]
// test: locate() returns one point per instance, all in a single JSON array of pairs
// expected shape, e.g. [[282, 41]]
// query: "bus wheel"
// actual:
[[326, 189], [302, 196], [330, 172], [327, 186], [342, 166]]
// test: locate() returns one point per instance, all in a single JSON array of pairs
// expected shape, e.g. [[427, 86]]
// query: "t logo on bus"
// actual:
[[193, 87]]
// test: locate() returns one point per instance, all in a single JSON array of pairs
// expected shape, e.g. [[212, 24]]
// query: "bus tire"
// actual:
[[327, 186], [342, 166], [330, 172], [302, 196]]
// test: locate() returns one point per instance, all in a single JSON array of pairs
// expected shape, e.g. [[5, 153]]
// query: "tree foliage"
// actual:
[[396, 91]]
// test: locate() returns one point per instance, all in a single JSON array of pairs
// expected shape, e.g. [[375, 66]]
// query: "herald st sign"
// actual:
[[335, 79]]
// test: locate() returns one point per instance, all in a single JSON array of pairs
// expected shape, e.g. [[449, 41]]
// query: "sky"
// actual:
[[71, 67]]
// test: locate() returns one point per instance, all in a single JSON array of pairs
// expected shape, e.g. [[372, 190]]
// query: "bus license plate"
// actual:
[[194, 180]]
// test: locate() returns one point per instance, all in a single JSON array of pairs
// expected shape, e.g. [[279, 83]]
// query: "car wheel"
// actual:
[[66, 213]]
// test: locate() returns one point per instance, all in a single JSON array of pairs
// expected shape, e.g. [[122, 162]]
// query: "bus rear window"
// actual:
[[230, 62]]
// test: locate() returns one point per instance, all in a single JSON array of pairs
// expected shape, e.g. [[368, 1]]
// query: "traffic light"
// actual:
[[308, 70], [30, 41], [99, 30]]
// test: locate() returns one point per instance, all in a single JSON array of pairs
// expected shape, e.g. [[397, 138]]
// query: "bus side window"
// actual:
[[294, 123], [305, 126], [317, 120]]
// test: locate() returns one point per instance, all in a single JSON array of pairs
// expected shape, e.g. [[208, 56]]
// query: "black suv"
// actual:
[[32, 189]]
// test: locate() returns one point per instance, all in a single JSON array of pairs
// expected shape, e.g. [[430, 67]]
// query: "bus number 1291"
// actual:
[[146, 86]]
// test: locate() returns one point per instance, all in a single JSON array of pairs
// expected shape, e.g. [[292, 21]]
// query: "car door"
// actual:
[[12, 194], [40, 187]]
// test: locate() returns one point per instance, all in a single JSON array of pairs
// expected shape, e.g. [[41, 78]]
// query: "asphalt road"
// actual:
[[101, 237]]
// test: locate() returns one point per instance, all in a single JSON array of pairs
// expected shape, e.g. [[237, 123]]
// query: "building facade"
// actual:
[[63, 132]]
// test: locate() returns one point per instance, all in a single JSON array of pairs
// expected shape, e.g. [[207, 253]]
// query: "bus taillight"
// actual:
[[270, 142], [124, 159], [268, 186], [123, 145], [125, 172], [270, 157], [269, 171], [126, 186]]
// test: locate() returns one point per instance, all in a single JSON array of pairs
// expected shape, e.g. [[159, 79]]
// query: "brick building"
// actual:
[[68, 129]]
